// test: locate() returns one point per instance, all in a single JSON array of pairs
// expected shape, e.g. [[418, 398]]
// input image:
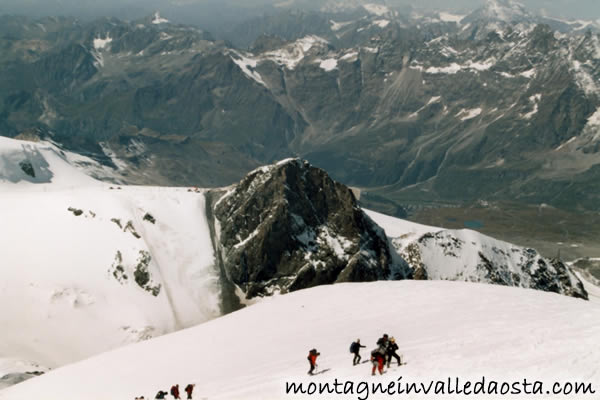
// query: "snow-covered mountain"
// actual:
[[75, 249], [466, 255], [443, 329], [88, 266]]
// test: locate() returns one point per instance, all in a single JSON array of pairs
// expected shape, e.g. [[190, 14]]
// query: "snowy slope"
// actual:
[[46, 163], [83, 271], [402, 231], [507, 333], [466, 255]]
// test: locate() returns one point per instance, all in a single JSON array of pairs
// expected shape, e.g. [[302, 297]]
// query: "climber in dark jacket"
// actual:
[[189, 389], [391, 352], [355, 349], [175, 391], [383, 341]]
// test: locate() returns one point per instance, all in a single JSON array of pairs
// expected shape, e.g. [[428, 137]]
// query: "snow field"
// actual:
[[444, 329]]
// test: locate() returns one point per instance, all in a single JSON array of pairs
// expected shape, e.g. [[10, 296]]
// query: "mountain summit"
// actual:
[[504, 10], [289, 226]]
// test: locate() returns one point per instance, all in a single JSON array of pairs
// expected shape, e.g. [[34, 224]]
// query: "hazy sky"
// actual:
[[588, 9]]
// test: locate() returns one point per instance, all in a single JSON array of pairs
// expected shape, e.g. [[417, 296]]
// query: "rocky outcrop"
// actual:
[[470, 256], [289, 226]]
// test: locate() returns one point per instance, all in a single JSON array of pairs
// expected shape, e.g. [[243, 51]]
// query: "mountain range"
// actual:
[[498, 105]]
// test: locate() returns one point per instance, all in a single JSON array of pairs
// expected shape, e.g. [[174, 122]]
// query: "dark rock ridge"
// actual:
[[289, 226]]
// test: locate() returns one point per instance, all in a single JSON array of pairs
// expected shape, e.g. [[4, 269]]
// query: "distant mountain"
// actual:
[[435, 108]]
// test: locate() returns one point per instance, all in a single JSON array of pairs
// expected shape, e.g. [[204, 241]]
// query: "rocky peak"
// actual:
[[497, 15], [542, 39], [289, 226], [504, 10]]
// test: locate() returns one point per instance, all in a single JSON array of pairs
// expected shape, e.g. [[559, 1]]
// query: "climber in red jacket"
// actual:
[[378, 359], [312, 359], [175, 391]]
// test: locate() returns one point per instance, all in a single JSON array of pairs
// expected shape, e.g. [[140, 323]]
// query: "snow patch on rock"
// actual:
[[328, 65], [466, 115], [248, 64], [101, 43], [376, 9], [158, 19]]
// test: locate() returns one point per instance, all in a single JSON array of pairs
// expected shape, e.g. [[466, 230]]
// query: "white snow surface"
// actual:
[[454, 255], [351, 56], [454, 68], [535, 99], [336, 26], [328, 65], [594, 119], [247, 65], [434, 99], [101, 43], [566, 143], [60, 300], [292, 54], [448, 17], [443, 329], [528, 74], [50, 163], [466, 115], [376, 9], [402, 231], [382, 23], [584, 78], [158, 19]]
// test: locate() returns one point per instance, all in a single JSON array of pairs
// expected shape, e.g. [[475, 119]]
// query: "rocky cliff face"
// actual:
[[289, 226]]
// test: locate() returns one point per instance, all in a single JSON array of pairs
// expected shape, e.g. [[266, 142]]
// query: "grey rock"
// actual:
[[289, 226]]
